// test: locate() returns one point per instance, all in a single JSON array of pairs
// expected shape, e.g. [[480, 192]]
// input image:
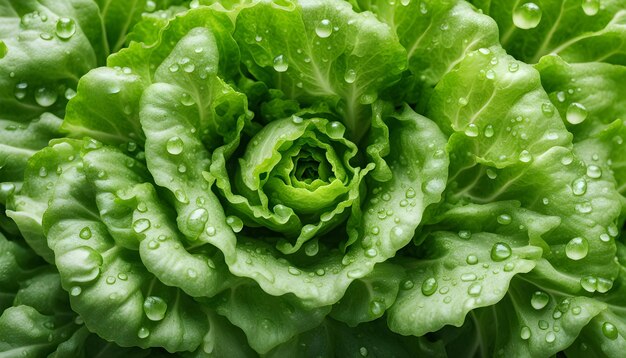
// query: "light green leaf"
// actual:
[[578, 31], [321, 51]]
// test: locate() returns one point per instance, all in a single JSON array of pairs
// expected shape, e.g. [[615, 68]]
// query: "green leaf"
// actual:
[[369, 297], [321, 51], [508, 142], [578, 31], [466, 269], [436, 34], [108, 284], [373, 339], [270, 320], [119, 18]]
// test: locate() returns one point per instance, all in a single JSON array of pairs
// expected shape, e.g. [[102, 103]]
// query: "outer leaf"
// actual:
[[436, 34], [329, 53], [103, 278], [578, 31], [516, 140], [463, 270], [270, 320]]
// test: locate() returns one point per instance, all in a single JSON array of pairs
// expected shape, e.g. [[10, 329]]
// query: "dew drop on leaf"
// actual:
[[576, 113], [429, 286], [141, 225], [174, 145], [594, 171], [281, 64], [45, 97], [155, 308], [591, 7], [349, 76], [85, 233], [143, 333], [324, 28], [500, 251], [527, 16], [539, 300], [609, 330], [577, 248], [65, 28]]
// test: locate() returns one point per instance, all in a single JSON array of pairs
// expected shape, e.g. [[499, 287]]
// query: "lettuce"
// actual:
[[312, 178]]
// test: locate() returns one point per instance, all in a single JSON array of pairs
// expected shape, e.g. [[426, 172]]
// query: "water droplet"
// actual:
[[187, 100], [525, 333], [311, 248], [577, 248], [153, 245], [377, 308], [429, 286], [363, 352], [85, 233], [594, 171], [235, 223], [155, 308], [150, 6], [591, 7], [539, 300], [143, 333], [543, 324], [525, 156], [579, 186], [589, 283], [197, 219], [504, 219], [75, 291], [609, 330], [335, 129], [471, 130], [20, 90], [527, 16], [489, 132], [45, 97], [281, 64], [471, 259], [122, 276], [465, 234], [371, 252], [192, 273], [466, 277], [547, 109], [349, 76], [513, 67], [324, 28], [111, 280], [474, 289], [45, 36], [65, 28], [490, 75], [604, 285], [296, 119], [462, 101], [407, 285], [550, 337], [576, 113], [43, 172], [174, 67], [174, 145], [141, 225], [500, 251]]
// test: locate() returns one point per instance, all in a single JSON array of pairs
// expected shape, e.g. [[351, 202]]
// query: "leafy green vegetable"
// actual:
[[312, 178]]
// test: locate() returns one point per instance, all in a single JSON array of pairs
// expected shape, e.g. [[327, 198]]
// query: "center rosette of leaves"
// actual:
[[296, 177]]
